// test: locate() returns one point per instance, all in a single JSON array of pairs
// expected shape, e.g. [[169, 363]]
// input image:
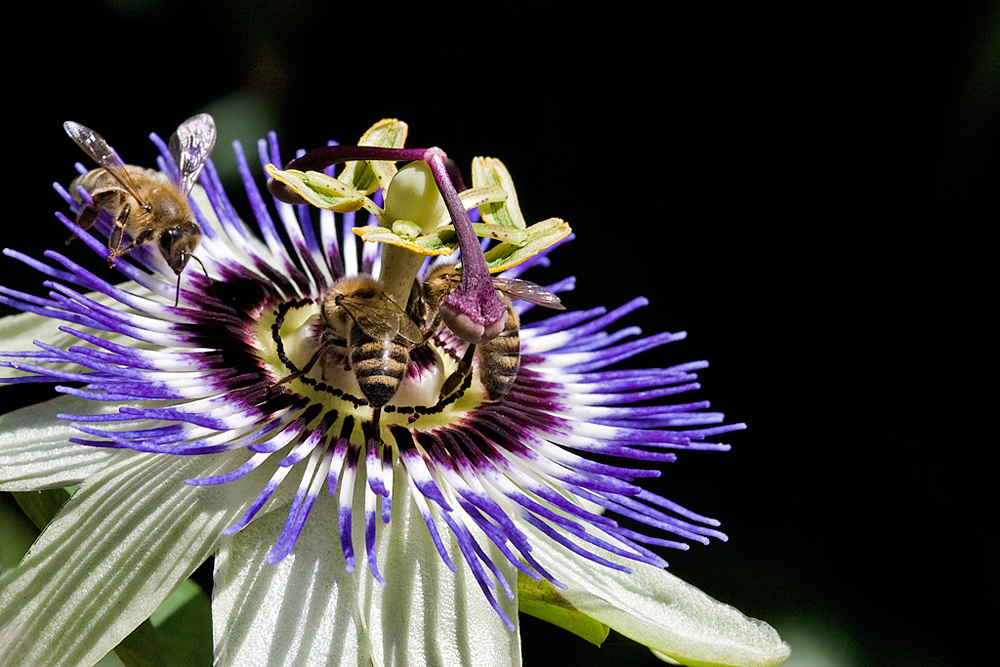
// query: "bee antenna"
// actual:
[[177, 296], [203, 269]]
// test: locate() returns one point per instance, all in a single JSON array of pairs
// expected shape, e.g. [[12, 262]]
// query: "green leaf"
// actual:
[[187, 593], [541, 235], [489, 171], [542, 600], [184, 626], [17, 531], [41, 506], [141, 648], [367, 176], [178, 634]]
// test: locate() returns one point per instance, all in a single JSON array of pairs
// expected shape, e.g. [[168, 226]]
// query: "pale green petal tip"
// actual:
[[658, 610], [763, 649], [539, 598], [700, 632]]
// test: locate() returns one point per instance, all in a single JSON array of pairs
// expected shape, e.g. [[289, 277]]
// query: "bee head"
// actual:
[[177, 243]]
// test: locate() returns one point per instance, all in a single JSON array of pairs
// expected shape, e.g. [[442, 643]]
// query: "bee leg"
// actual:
[[305, 369], [464, 368], [115, 240], [88, 214], [139, 240], [432, 331]]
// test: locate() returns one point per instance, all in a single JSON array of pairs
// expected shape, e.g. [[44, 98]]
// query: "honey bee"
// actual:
[[500, 358], [146, 207], [375, 333]]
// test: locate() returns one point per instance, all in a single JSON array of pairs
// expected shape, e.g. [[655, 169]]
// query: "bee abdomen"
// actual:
[[379, 368], [499, 363]]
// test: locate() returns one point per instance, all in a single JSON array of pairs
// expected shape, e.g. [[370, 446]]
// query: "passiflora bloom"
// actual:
[[373, 491]]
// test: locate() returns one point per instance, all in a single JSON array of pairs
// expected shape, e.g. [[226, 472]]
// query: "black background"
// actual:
[[804, 189]]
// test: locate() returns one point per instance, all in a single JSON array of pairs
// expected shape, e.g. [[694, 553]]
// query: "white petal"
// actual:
[[123, 542], [660, 611], [301, 611], [426, 614], [35, 452], [307, 611]]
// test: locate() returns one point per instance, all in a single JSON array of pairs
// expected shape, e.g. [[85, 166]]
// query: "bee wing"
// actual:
[[381, 318], [100, 152], [191, 145], [528, 291], [409, 330]]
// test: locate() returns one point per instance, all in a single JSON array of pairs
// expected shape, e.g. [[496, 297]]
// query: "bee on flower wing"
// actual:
[[145, 207], [375, 333], [500, 358]]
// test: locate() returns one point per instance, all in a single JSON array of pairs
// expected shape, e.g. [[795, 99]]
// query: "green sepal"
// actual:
[[322, 191], [489, 171], [178, 634], [366, 176], [541, 235], [542, 600]]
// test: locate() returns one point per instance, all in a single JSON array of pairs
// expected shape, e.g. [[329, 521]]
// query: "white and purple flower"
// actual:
[[341, 538]]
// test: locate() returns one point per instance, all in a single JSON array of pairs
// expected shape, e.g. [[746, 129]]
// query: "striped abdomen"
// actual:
[[500, 358], [378, 365]]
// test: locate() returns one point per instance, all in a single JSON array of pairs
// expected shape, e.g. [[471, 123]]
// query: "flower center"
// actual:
[[289, 336]]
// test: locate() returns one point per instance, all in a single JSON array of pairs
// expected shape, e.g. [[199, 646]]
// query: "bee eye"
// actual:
[[189, 228], [166, 241]]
